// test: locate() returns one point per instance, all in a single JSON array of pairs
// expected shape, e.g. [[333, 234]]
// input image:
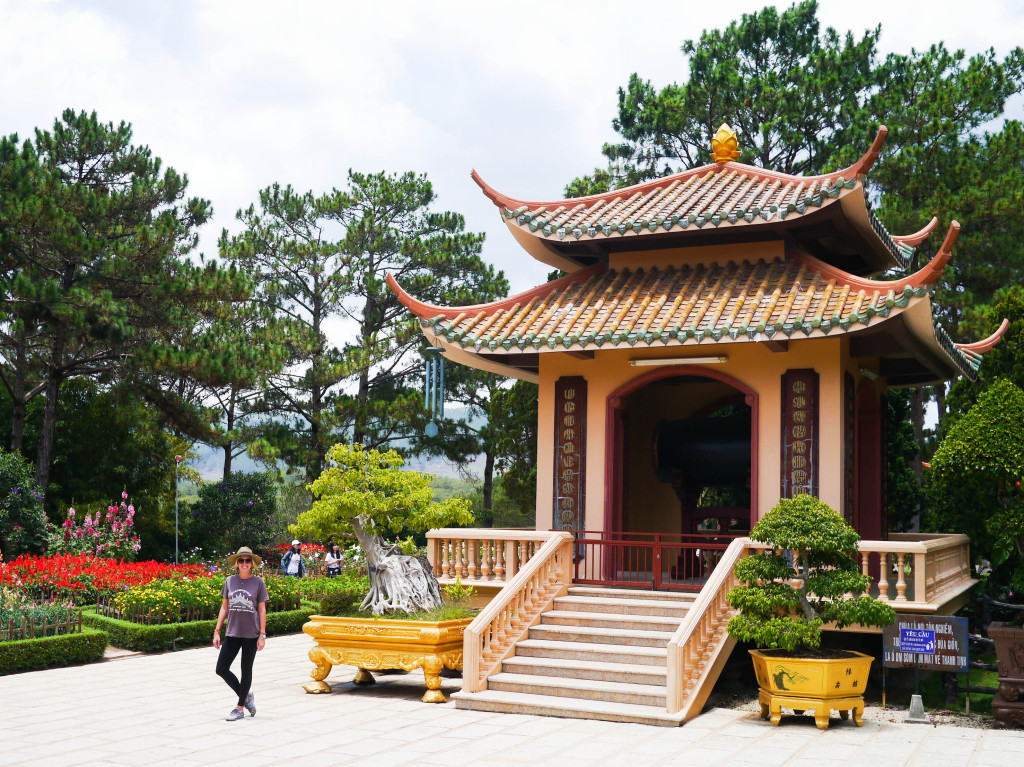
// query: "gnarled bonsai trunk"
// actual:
[[397, 581]]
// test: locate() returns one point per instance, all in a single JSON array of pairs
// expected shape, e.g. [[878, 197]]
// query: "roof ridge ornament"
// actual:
[[724, 144]]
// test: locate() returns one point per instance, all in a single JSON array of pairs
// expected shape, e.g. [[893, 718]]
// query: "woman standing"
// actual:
[[333, 560], [245, 607]]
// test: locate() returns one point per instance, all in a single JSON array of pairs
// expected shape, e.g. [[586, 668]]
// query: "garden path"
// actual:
[[169, 709]]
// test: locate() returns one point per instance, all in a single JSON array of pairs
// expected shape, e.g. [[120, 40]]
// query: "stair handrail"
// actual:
[[493, 634], [706, 616]]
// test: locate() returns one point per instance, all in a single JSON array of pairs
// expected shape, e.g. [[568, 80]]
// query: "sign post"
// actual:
[[934, 643]]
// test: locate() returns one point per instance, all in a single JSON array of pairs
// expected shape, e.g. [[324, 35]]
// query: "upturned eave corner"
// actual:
[[915, 239], [987, 344], [923, 277]]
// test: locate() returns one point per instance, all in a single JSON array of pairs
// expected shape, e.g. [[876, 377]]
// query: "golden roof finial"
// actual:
[[724, 146]]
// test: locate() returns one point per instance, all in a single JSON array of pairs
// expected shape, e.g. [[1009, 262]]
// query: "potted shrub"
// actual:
[[803, 580], [401, 622]]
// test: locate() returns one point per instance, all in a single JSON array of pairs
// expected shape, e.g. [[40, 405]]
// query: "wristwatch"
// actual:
[[263, 636]]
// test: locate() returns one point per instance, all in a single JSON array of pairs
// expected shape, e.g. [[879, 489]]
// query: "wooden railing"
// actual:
[[493, 634], [700, 646], [480, 556], [29, 629], [661, 561]]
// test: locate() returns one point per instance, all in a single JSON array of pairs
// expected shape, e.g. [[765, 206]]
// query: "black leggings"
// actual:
[[229, 648]]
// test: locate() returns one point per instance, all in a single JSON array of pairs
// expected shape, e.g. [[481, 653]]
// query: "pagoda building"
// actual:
[[721, 339]]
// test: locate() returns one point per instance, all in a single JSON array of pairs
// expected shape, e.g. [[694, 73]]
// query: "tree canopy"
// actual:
[[370, 482], [95, 230], [321, 261]]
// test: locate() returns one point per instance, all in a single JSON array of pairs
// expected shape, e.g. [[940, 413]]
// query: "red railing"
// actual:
[[646, 560]]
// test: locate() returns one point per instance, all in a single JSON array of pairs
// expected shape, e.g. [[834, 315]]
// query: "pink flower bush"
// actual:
[[111, 536]]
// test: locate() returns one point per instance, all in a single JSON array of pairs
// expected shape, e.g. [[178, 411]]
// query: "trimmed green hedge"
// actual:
[[135, 636], [51, 652]]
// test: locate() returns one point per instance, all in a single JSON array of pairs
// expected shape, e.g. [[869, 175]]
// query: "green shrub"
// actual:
[[51, 652], [237, 511], [975, 482], [22, 521], [774, 614], [339, 602], [135, 636]]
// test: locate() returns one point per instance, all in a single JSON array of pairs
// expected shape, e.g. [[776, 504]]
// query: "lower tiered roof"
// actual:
[[763, 300]]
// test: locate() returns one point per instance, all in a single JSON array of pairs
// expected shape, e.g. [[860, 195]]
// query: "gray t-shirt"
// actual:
[[244, 596]]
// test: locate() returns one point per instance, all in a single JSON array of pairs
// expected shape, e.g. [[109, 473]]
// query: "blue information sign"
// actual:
[[917, 640], [930, 642]]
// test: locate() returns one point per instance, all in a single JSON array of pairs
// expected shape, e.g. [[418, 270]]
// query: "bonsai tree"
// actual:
[[975, 481], [367, 492], [774, 613]]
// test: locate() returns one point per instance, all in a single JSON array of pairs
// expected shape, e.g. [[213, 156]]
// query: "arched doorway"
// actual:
[[681, 452]]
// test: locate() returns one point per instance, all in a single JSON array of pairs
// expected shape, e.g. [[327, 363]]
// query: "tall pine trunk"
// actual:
[[489, 484], [18, 401], [229, 448], [54, 378]]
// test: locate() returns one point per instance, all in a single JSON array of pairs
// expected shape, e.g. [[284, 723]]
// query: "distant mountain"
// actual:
[[209, 461]]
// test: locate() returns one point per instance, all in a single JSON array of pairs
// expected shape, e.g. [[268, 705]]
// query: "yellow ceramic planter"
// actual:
[[370, 644], [805, 684]]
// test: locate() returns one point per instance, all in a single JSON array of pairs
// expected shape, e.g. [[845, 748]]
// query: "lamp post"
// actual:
[[177, 462]]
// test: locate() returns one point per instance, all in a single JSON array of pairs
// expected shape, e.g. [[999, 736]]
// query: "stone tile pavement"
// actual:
[[169, 709]]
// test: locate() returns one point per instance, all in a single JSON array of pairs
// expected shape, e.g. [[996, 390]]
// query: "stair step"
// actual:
[[585, 669], [601, 591], [575, 708], [623, 606], [632, 637], [545, 648], [588, 689], [667, 623]]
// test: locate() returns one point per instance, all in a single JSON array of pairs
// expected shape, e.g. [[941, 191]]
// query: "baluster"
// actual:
[[883, 576], [437, 558], [511, 559], [485, 559], [457, 553], [500, 549], [471, 547], [901, 581], [446, 561]]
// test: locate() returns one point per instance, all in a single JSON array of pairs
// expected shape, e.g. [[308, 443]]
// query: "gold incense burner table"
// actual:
[[383, 643]]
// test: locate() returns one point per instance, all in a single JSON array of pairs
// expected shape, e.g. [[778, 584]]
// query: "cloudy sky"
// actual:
[[241, 94]]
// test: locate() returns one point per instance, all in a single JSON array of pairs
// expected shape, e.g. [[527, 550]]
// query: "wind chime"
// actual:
[[433, 390]]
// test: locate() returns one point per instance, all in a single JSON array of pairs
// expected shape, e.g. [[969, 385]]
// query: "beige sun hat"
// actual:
[[244, 551]]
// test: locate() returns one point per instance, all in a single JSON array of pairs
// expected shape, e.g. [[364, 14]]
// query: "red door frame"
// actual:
[[615, 434], [869, 467]]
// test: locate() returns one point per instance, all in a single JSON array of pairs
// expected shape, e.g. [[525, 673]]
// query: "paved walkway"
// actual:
[[169, 709]]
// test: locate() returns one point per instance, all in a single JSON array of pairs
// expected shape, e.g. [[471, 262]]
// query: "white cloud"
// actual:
[[241, 94]]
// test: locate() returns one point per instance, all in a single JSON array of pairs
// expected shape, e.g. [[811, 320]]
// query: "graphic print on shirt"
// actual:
[[240, 600]]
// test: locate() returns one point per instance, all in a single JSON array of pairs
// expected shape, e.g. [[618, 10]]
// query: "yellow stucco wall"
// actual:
[[751, 363]]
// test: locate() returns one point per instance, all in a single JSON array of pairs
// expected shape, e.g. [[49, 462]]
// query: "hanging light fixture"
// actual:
[[433, 390]]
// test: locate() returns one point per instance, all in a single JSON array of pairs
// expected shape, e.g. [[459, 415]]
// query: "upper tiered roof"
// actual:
[[814, 287], [828, 215]]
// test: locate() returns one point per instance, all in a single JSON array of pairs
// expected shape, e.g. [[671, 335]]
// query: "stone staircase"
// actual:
[[599, 654]]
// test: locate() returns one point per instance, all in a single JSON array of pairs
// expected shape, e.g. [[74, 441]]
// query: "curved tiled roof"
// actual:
[[715, 195], [746, 301]]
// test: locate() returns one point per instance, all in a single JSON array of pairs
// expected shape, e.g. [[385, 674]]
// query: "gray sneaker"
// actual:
[[235, 714], [250, 704]]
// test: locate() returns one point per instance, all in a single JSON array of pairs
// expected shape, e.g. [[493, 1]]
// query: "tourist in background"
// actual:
[[291, 563], [333, 560], [244, 605]]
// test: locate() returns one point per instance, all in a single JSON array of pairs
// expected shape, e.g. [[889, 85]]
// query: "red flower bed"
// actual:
[[82, 577], [307, 549]]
